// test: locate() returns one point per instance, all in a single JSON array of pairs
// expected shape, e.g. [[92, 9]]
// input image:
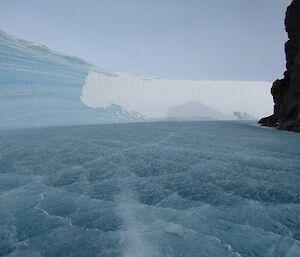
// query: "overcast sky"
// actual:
[[180, 39]]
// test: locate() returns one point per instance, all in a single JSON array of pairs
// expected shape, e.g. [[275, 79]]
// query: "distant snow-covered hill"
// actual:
[[196, 110], [41, 87]]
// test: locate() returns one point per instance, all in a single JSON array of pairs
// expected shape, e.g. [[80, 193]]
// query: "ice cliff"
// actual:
[[41, 87], [155, 98]]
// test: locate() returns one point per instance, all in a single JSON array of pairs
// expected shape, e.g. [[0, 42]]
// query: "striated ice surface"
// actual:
[[40, 87], [149, 190]]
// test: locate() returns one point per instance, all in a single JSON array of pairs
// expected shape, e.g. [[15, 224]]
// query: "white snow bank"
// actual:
[[154, 97]]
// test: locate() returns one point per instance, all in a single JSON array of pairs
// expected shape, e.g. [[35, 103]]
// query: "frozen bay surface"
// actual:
[[149, 190]]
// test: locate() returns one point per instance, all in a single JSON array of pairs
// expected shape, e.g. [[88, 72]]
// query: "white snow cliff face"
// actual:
[[41, 87], [154, 98]]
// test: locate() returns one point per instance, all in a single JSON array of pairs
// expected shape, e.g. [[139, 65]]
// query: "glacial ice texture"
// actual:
[[149, 190], [40, 87]]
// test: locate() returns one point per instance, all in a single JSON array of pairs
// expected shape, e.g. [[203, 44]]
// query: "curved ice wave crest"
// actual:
[[40, 87], [154, 97]]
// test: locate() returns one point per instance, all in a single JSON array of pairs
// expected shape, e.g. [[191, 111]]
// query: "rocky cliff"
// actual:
[[286, 91]]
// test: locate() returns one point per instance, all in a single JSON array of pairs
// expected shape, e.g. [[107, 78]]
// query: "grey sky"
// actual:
[[180, 39]]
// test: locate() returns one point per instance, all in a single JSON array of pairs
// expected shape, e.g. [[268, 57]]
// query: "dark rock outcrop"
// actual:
[[286, 92]]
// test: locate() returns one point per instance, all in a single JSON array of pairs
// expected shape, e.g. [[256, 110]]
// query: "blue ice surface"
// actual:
[[182, 189], [41, 88]]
